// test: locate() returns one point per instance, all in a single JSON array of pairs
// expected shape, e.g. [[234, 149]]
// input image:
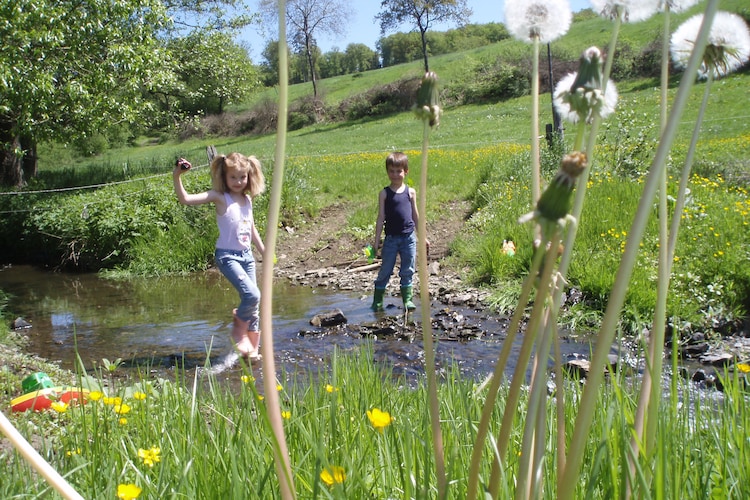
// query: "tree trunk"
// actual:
[[311, 64], [424, 51], [29, 163], [11, 163]]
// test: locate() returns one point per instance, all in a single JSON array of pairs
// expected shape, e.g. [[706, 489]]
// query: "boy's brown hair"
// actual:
[[397, 159]]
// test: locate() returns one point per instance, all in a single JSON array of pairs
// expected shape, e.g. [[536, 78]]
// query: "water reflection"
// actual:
[[171, 321]]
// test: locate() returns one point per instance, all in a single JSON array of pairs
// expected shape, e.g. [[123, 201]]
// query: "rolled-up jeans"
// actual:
[[239, 268], [404, 245]]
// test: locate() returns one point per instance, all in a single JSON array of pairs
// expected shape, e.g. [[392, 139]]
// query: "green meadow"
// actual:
[[354, 430]]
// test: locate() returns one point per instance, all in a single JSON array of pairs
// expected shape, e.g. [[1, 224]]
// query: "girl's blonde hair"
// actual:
[[256, 182]]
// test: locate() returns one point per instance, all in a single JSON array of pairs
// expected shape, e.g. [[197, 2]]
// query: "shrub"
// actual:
[[490, 81], [380, 101]]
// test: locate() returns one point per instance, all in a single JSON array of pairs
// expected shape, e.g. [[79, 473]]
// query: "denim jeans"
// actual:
[[239, 269], [404, 245]]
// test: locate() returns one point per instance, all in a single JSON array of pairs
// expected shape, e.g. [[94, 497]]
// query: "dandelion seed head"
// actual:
[[727, 49], [629, 11], [675, 5], [536, 19]]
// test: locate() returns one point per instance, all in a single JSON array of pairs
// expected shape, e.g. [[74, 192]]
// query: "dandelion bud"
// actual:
[[579, 96], [589, 75], [554, 204], [427, 107]]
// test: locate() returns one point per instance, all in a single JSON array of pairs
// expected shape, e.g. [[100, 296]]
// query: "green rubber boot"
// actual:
[[407, 293], [377, 299]]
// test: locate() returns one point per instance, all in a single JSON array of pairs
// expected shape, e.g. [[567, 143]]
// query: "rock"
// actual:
[[434, 268], [329, 318], [718, 359], [578, 368], [692, 351], [20, 324]]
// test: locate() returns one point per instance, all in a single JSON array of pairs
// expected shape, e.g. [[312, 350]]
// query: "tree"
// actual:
[[400, 48], [332, 63], [214, 71], [306, 19], [68, 68], [422, 14], [359, 57]]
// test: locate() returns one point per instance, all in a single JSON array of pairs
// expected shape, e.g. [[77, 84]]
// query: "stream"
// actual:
[[186, 321]]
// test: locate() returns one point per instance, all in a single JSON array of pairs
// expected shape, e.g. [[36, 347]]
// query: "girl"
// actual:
[[236, 179]]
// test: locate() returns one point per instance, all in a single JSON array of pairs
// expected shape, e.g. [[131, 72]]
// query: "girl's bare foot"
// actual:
[[240, 337]]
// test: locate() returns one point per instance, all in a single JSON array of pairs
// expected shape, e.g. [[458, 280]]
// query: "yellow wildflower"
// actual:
[[128, 491], [333, 475], [59, 406], [379, 419], [151, 456], [122, 409]]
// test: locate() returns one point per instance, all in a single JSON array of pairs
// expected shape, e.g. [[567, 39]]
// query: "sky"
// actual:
[[364, 29]]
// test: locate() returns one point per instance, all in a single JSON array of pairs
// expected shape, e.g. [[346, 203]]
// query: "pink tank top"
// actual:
[[236, 225]]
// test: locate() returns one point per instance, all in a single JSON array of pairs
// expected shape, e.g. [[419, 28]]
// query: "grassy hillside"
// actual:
[[587, 30]]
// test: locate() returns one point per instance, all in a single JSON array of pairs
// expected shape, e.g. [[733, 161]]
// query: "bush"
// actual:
[[381, 101], [92, 230], [490, 81]]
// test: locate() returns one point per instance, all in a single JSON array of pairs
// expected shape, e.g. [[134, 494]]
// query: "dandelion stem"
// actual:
[[429, 348], [537, 396], [519, 374], [37, 462], [647, 411], [585, 415], [536, 175], [497, 377], [281, 453]]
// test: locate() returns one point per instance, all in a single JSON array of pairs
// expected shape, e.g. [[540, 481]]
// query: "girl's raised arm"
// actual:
[[192, 199]]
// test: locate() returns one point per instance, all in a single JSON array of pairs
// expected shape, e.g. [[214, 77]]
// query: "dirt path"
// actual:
[[322, 253]]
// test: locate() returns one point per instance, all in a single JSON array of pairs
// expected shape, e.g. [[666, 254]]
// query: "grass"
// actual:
[[218, 444]]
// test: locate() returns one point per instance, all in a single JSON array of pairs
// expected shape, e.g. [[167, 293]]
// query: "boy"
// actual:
[[397, 210]]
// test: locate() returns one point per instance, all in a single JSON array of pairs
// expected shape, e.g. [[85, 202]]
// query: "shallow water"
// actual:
[[186, 322]]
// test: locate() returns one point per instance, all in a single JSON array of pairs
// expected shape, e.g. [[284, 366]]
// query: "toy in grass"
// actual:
[[43, 399]]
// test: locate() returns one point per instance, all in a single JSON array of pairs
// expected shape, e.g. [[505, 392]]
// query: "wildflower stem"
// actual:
[[429, 348], [497, 377], [536, 175], [281, 453], [645, 421], [519, 374], [585, 415], [528, 468]]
